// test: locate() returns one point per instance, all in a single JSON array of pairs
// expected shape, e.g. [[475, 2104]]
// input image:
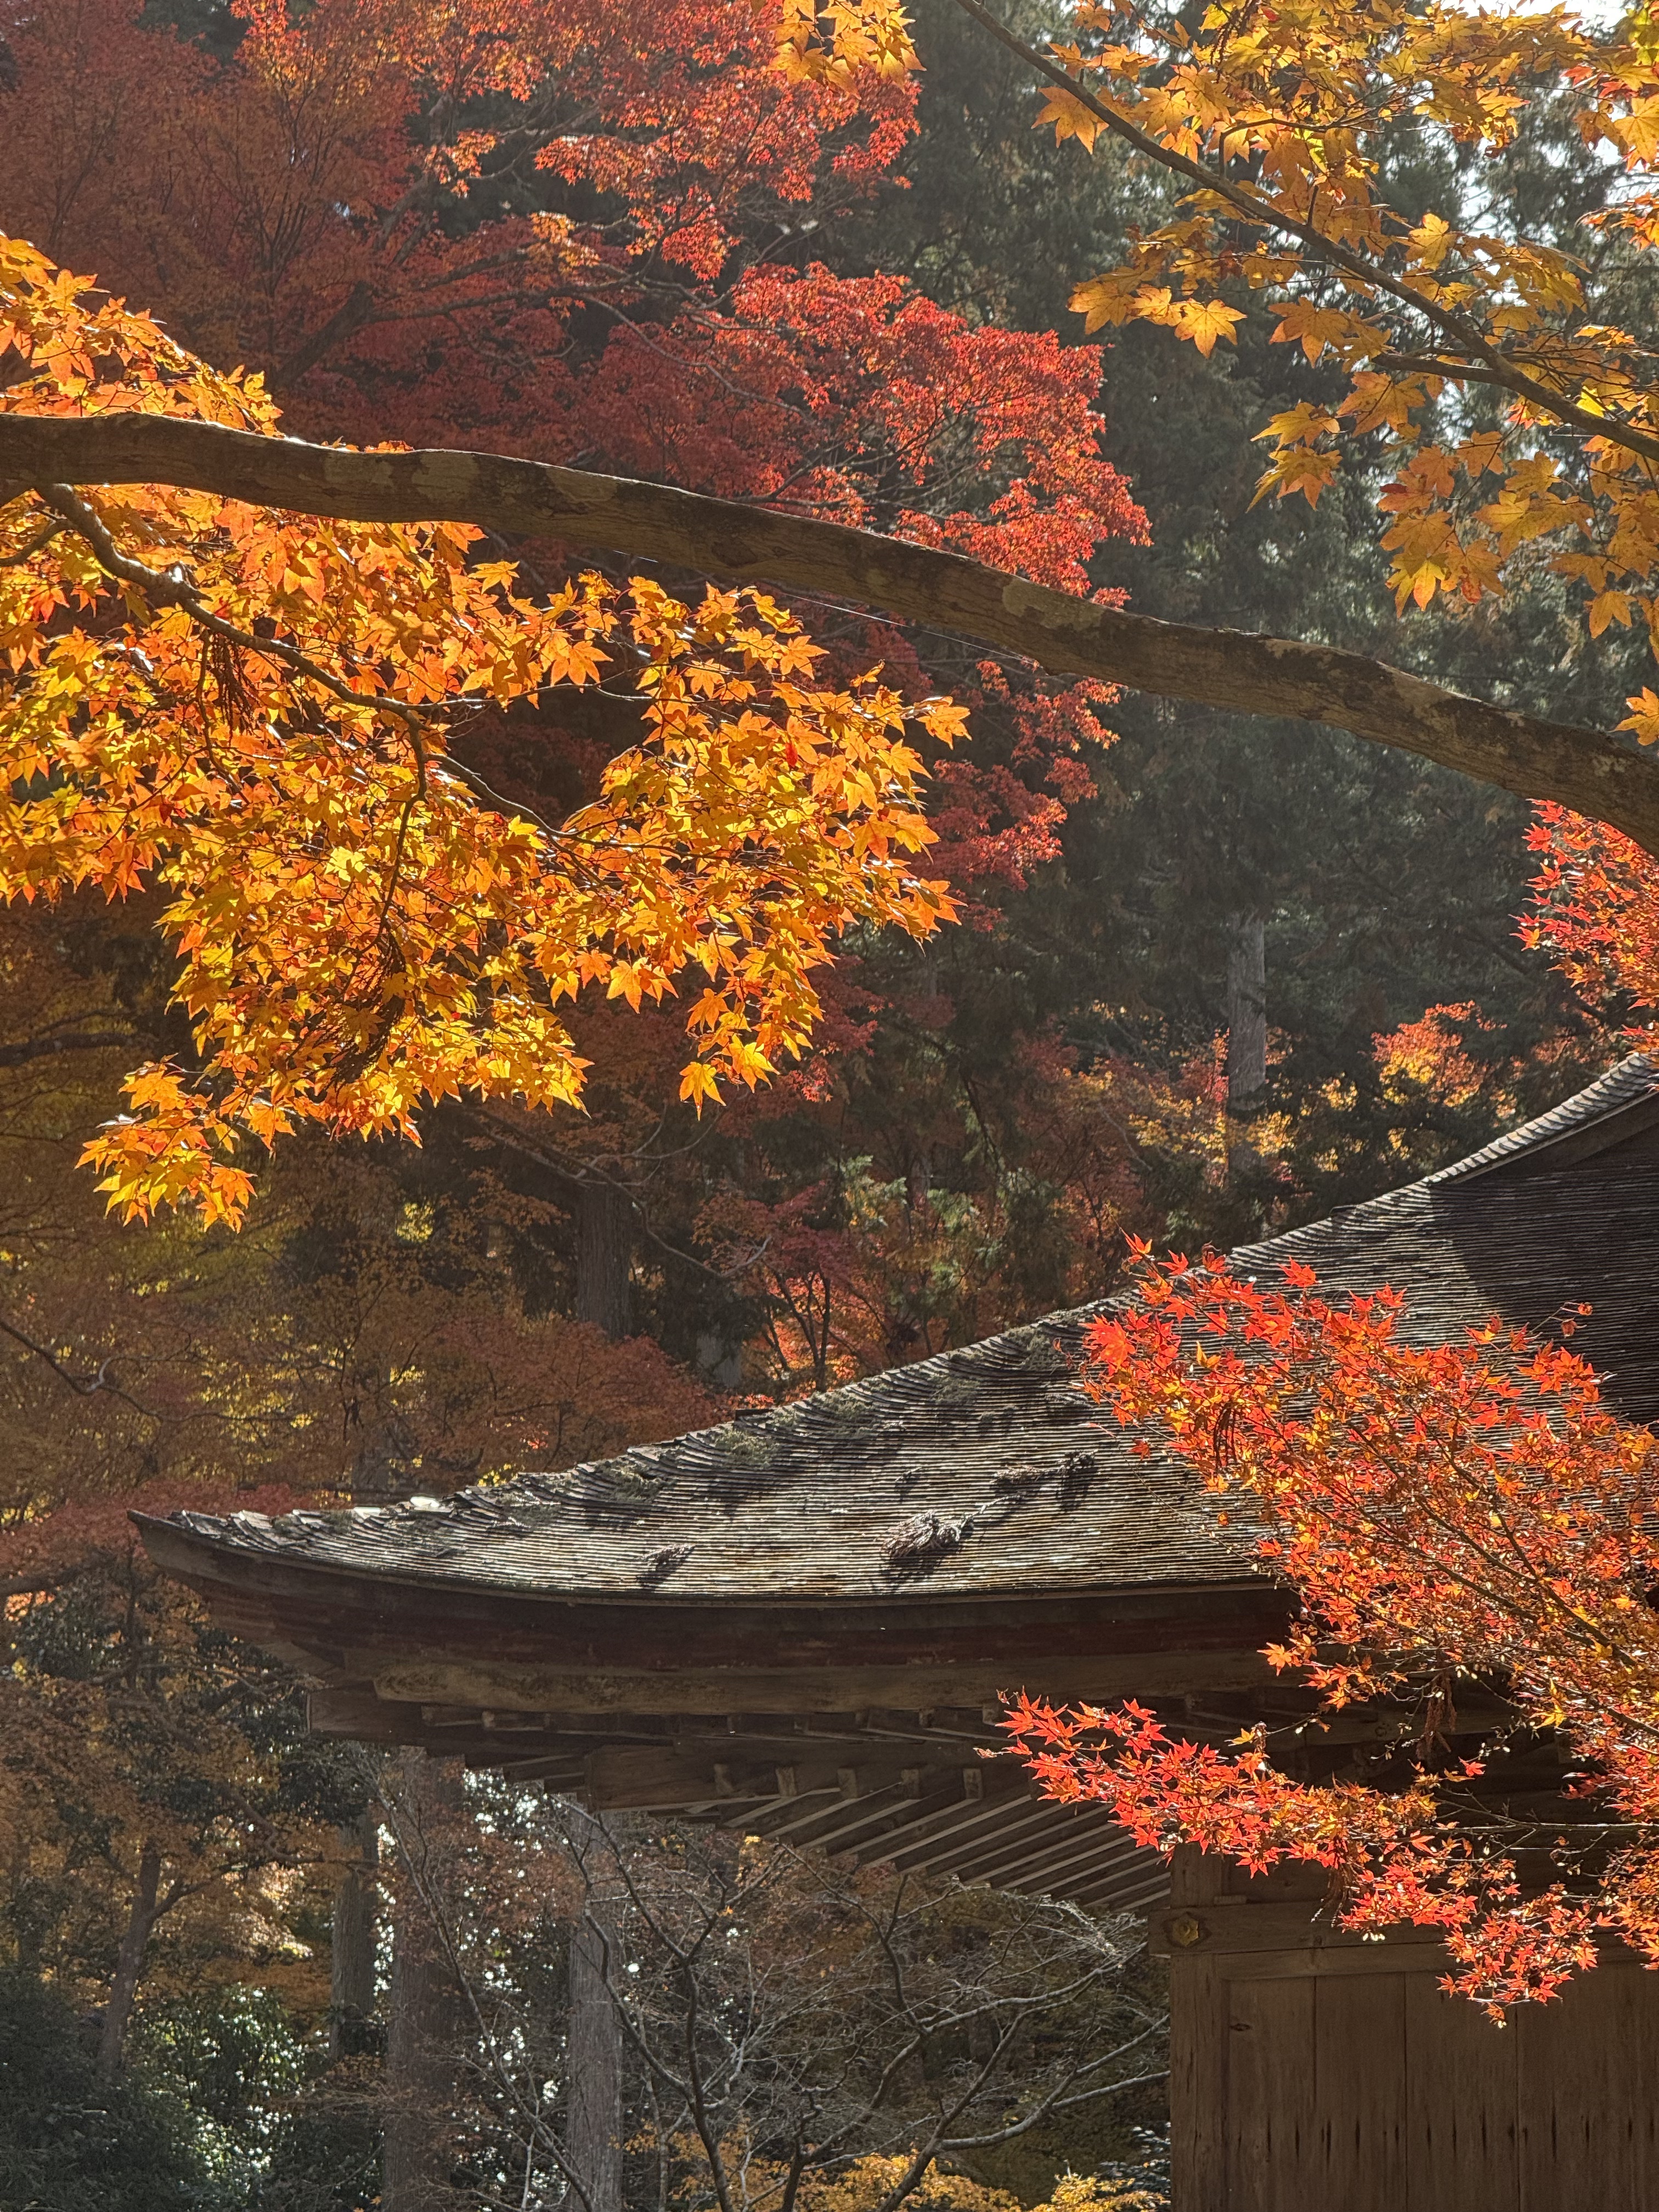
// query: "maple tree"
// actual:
[[337, 197], [389, 1375], [367, 1330], [311, 190], [1329, 686], [1461, 1511], [356, 930], [1281, 127], [907, 413]]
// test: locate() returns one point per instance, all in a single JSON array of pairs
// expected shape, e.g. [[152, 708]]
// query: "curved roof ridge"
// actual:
[[1626, 1086], [1633, 1081], [1007, 1397], [895, 1390]]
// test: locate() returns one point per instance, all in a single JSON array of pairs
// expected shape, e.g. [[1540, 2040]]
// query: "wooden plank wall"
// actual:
[[1337, 2077]]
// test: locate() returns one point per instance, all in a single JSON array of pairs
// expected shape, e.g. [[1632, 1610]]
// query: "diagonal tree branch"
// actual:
[[1592, 772], [53, 1041], [1367, 271]]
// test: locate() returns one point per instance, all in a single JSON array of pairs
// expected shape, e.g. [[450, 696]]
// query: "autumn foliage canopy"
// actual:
[[1446, 1514], [251, 712]]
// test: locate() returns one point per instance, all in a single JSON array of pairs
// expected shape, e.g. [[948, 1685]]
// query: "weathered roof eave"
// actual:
[[200, 1559], [958, 1487]]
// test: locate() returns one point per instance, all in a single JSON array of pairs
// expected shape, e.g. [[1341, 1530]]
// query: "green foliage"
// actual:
[[69, 2143], [273, 2128]]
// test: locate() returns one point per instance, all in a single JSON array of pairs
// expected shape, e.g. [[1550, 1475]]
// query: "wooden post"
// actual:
[[593, 2039], [1198, 2051], [351, 1936], [425, 2014]]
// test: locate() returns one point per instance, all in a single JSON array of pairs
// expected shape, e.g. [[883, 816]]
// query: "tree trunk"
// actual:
[[1246, 1013], [919, 1181], [352, 1949], [425, 2013], [130, 1962], [594, 2049], [605, 1257]]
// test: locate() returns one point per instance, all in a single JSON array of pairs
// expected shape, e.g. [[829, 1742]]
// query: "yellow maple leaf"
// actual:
[[1204, 321]]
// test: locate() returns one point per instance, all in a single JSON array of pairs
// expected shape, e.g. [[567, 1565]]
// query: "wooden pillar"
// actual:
[[352, 1934], [426, 2016], [1198, 2053], [593, 2033]]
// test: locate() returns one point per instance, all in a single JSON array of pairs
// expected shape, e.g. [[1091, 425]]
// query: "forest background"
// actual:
[[1210, 977]]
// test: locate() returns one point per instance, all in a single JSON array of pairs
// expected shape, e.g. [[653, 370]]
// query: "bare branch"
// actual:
[[84, 1386], [25, 1049]]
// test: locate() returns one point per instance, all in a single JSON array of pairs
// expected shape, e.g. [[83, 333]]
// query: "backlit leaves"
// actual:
[[1279, 124], [1442, 1511], [253, 712]]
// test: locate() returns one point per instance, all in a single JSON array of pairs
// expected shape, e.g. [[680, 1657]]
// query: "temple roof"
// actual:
[[986, 1471], [799, 1624]]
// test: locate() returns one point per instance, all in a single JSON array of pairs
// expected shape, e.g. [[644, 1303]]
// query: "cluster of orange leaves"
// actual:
[[1306, 100], [1282, 120], [252, 711], [1442, 1512]]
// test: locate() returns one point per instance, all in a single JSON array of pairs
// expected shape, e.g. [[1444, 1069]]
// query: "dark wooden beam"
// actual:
[[1127, 1888], [953, 1833], [1092, 1845], [696, 1687]]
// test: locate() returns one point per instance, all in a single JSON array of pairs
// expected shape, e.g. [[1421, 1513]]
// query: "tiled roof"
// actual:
[[985, 1470]]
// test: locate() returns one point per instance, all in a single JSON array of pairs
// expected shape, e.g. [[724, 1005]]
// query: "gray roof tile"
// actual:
[[983, 1470]]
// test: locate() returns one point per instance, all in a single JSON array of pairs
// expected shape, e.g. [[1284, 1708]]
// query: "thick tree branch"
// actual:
[[45, 1047], [1592, 772]]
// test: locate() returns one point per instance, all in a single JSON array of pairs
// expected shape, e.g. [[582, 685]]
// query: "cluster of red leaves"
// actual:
[[1442, 1512], [350, 180], [358, 175], [859, 398], [1596, 911]]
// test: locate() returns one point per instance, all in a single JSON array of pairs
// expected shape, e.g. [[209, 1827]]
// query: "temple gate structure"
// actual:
[[798, 1624]]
